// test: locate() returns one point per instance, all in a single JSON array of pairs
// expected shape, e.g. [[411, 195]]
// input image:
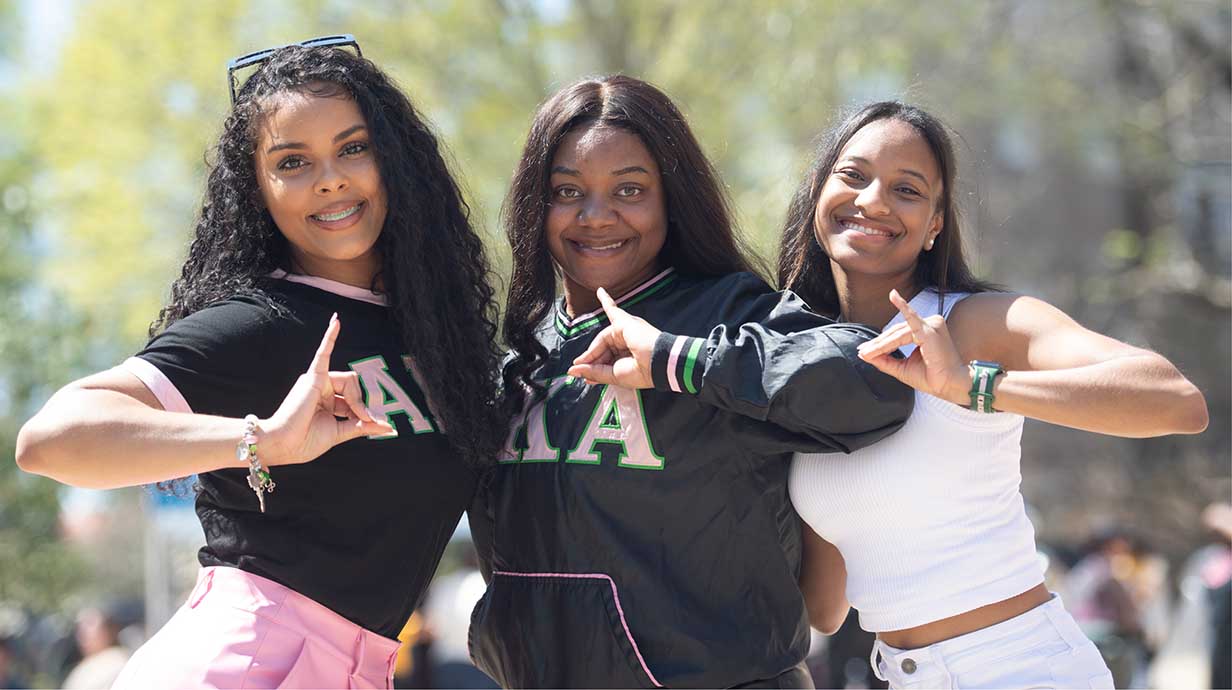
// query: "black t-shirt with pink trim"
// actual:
[[360, 529]]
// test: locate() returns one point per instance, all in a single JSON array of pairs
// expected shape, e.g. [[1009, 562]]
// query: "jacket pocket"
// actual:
[[556, 630]]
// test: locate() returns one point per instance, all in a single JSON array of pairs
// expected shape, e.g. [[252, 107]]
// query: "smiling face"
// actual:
[[879, 205], [607, 221], [319, 179]]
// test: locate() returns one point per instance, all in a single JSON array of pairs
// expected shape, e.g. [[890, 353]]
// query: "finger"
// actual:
[[348, 429], [614, 313], [884, 345], [890, 365], [909, 315], [320, 361], [340, 408], [593, 373], [892, 333], [878, 345], [346, 385], [602, 344]]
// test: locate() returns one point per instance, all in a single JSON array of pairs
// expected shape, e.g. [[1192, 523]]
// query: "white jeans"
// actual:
[[1042, 648]]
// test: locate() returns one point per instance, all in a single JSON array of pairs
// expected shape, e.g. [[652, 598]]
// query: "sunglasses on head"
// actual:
[[238, 63]]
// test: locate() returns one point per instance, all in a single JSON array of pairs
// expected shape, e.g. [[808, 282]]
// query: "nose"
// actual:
[[871, 200], [330, 178], [595, 212]]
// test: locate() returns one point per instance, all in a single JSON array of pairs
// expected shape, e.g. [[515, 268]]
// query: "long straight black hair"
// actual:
[[701, 240], [804, 266], [433, 271]]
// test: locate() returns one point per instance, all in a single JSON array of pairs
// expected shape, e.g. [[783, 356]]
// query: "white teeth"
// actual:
[[602, 247], [848, 225], [337, 216]]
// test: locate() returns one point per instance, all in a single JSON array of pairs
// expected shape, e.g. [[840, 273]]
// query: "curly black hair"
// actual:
[[804, 267], [434, 272], [701, 239]]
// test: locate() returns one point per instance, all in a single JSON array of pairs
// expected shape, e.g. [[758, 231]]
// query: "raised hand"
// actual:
[[934, 368], [307, 423], [619, 354]]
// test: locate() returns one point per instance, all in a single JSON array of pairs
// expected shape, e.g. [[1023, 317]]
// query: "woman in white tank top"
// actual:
[[925, 532]]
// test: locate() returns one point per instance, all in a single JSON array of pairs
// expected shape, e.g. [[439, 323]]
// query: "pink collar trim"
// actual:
[[341, 289]]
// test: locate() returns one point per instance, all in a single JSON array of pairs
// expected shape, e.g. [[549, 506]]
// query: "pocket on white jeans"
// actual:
[[1081, 668]]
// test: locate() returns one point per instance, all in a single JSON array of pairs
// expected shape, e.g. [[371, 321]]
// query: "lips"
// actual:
[[339, 216], [866, 229], [337, 212], [602, 247]]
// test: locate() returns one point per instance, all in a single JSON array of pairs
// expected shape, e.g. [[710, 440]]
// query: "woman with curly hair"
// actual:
[[325, 508]]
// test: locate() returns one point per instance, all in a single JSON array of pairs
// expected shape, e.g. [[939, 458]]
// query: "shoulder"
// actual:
[[239, 328], [1001, 321], [744, 298], [239, 344], [235, 319], [726, 294], [727, 284], [1013, 312]]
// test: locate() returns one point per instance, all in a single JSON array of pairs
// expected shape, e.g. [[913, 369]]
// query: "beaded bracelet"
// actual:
[[246, 451]]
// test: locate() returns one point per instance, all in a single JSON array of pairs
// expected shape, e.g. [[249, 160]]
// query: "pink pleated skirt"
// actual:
[[239, 630]]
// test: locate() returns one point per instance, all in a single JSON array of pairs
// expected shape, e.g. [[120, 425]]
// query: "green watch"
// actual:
[[983, 374]]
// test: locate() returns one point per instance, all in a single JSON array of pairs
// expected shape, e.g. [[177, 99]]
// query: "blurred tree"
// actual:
[[39, 570]]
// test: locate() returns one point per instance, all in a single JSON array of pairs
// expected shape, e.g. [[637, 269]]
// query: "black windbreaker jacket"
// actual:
[[645, 538]]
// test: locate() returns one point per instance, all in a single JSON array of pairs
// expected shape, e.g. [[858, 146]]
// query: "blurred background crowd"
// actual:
[[1096, 173]]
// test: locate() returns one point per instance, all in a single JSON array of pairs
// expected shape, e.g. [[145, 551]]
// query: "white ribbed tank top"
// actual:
[[930, 521]]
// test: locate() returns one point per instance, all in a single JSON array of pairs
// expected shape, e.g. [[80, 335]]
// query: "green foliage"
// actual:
[[39, 570], [141, 91]]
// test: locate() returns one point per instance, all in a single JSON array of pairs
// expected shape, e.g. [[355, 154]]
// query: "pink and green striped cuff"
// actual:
[[674, 365]]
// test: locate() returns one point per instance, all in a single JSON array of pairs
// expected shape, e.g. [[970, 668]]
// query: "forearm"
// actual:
[[103, 439], [810, 381], [1138, 395]]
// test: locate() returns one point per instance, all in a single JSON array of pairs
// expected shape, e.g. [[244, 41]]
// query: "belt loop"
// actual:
[[202, 589], [872, 660]]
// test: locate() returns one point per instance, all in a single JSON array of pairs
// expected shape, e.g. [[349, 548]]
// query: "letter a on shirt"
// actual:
[[618, 418], [384, 396]]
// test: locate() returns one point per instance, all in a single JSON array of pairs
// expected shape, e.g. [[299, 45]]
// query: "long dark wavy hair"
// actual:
[[701, 240], [804, 266], [433, 272]]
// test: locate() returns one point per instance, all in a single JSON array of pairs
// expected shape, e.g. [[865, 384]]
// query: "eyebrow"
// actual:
[[905, 171], [623, 171], [299, 145]]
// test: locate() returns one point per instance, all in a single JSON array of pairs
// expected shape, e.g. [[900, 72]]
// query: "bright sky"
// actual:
[[46, 23]]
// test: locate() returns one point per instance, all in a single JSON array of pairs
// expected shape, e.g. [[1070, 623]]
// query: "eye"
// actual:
[[909, 191], [567, 193], [850, 174], [629, 191], [354, 148], [292, 163]]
